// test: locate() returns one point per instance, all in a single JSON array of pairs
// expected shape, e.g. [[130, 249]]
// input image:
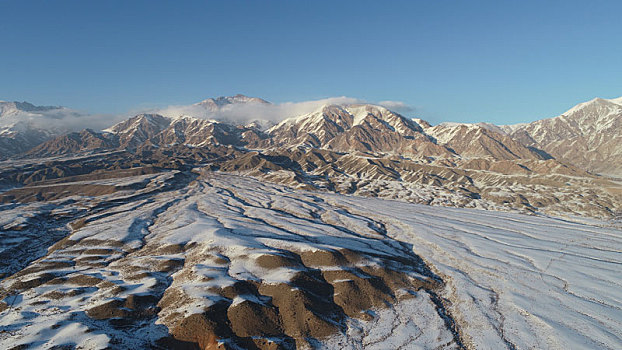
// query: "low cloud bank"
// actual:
[[55, 120], [253, 111], [270, 113], [66, 119], [397, 106]]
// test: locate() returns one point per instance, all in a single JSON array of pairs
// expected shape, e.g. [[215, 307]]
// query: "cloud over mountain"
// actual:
[[247, 111], [237, 109], [397, 106]]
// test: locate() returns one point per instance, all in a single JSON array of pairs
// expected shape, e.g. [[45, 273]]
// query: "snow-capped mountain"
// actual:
[[86, 140], [147, 130], [481, 140], [369, 129], [588, 135], [215, 104], [200, 132], [24, 125], [136, 130], [223, 109], [361, 149], [8, 109], [361, 127]]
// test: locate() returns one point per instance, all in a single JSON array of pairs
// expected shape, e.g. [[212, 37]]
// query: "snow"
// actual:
[[444, 132], [511, 280], [407, 326], [310, 121], [616, 100], [361, 112], [529, 281], [350, 115]]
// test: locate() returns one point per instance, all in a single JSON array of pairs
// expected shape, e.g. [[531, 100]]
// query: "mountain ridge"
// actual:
[[24, 126], [586, 135]]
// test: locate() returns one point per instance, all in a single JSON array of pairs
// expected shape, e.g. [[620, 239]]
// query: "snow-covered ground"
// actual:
[[510, 281], [516, 281]]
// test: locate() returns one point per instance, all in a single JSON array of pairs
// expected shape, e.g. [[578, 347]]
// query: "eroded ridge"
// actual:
[[225, 264], [232, 262]]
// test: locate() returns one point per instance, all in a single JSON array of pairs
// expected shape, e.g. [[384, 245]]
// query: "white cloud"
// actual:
[[397, 106], [66, 119], [271, 113], [59, 120], [247, 112]]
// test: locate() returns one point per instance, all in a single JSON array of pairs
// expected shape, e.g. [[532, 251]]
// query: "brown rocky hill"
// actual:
[[478, 141], [76, 142], [362, 128], [588, 135], [371, 151], [136, 130], [199, 132]]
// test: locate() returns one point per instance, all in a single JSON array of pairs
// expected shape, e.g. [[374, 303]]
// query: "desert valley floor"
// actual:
[[227, 260]]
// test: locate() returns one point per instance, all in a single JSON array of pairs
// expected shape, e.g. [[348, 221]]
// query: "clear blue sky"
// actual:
[[497, 61]]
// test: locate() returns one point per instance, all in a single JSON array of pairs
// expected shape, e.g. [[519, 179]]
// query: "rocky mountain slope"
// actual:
[[544, 186], [371, 151], [479, 141], [76, 142], [199, 132], [362, 128], [24, 126], [135, 131], [588, 135]]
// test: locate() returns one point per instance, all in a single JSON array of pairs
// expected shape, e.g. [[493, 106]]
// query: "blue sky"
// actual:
[[496, 61]]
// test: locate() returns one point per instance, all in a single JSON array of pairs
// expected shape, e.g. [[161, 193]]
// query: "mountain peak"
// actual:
[[595, 103], [586, 135], [221, 101], [616, 100], [9, 108]]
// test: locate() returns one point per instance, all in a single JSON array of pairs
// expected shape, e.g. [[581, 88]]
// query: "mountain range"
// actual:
[[24, 125], [369, 150], [588, 135], [180, 229]]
